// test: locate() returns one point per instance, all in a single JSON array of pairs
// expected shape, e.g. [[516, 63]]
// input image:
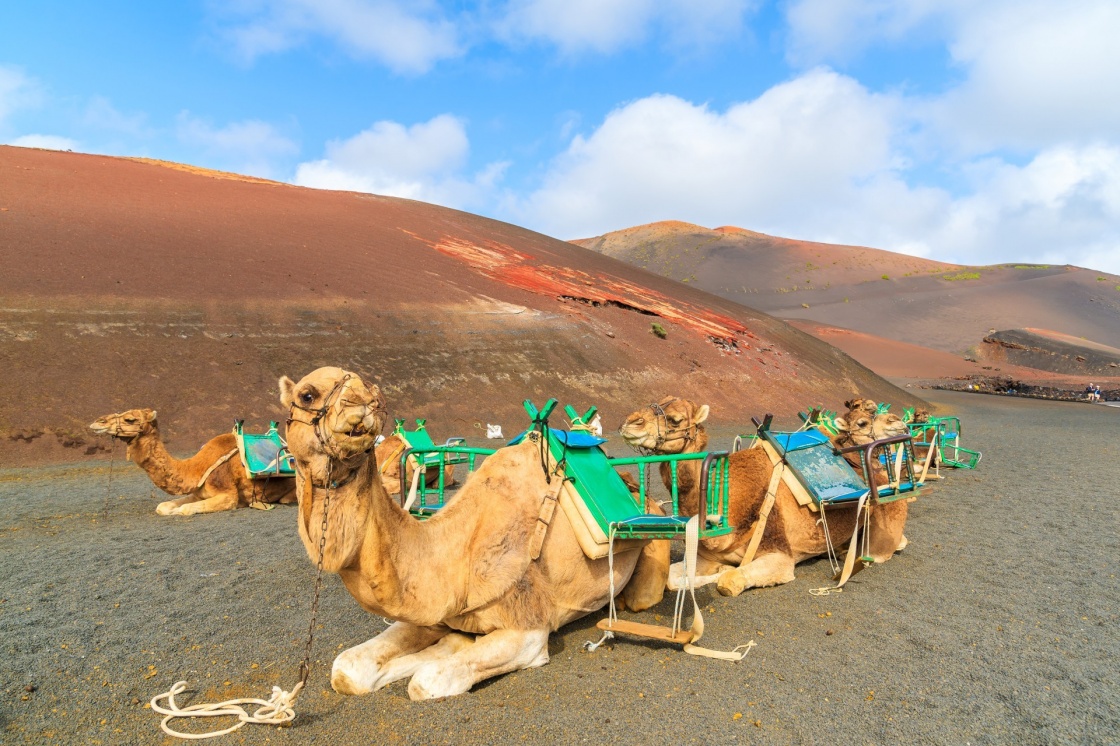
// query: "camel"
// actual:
[[792, 533], [475, 590], [212, 480], [389, 458]]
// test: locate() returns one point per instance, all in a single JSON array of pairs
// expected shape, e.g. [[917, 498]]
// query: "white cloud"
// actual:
[[822, 158], [838, 30], [1061, 207], [249, 147], [801, 142], [407, 37], [421, 162], [17, 91], [605, 26], [1035, 71], [46, 142], [102, 115]]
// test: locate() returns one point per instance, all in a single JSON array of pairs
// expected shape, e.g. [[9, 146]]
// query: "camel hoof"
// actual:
[[343, 684], [731, 583], [167, 508], [903, 544], [429, 682]]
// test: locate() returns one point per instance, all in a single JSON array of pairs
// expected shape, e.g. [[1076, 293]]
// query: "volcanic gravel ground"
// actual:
[[997, 625]]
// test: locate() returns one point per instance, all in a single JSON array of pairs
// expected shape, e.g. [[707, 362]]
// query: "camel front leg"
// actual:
[[647, 585], [769, 569], [708, 571], [369, 666], [168, 507], [221, 501], [499, 652]]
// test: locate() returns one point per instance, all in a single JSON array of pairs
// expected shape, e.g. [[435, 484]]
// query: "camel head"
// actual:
[[861, 406], [125, 425], [860, 429], [665, 427], [334, 414]]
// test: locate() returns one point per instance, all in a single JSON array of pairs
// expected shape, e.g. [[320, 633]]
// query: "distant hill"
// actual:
[[941, 306], [143, 284]]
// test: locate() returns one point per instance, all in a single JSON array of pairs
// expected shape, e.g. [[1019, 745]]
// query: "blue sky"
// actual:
[[973, 132]]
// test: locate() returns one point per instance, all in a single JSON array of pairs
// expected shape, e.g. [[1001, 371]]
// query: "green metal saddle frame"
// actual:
[[595, 478], [828, 478], [264, 455], [949, 449], [425, 454]]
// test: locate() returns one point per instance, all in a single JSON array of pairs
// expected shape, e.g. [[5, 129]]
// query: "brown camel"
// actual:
[[792, 533], [206, 482], [389, 459], [472, 594]]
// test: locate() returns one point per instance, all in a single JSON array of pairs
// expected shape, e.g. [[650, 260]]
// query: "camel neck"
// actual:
[[688, 474], [382, 554], [149, 453]]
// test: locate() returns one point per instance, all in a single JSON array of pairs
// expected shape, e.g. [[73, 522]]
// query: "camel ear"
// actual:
[[840, 424], [701, 414], [150, 415], [287, 386]]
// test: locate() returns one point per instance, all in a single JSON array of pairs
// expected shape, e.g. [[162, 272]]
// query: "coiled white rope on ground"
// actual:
[[276, 710]]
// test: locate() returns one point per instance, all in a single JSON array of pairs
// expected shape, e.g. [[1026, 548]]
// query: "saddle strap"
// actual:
[[853, 547], [392, 456], [929, 458], [413, 489], [759, 526], [206, 474], [544, 518], [691, 545]]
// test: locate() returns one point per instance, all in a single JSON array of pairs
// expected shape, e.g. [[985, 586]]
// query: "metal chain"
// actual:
[[305, 666], [109, 486]]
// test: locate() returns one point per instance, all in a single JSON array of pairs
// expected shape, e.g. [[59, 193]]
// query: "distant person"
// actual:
[[1090, 391], [1097, 393]]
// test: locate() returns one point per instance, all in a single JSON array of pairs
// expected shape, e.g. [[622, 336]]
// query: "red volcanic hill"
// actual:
[[907, 299], [131, 283]]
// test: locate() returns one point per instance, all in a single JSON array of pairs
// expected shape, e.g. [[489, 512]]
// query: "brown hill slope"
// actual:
[[130, 284], [942, 306]]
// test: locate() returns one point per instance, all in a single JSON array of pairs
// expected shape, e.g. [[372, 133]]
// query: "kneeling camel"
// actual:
[[470, 597], [212, 480], [792, 533]]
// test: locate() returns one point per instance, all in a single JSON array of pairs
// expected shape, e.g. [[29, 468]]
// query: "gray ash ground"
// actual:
[[997, 625]]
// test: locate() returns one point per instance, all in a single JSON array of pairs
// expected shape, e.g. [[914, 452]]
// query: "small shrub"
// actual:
[[658, 331], [885, 277], [1031, 266], [1102, 279], [962, 276]]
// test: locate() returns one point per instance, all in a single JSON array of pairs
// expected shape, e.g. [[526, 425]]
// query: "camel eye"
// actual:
[[130, 420], [306, 397]]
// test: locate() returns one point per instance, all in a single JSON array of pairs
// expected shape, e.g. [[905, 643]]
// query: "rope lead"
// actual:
[[276, 710]]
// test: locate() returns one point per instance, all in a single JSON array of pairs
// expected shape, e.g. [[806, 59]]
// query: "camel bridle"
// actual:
[[335, 396], [666, 434], [117, 422]]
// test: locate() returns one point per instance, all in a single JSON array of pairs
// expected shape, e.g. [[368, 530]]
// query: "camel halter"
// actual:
[[334, 396], [663, 434]]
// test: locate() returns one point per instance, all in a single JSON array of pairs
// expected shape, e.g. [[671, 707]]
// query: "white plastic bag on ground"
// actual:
[[493, 431]]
